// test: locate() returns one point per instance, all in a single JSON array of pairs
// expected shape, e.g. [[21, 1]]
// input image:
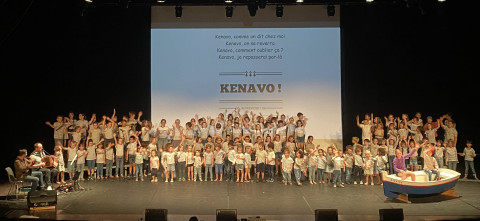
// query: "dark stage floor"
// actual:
[[127, 200]]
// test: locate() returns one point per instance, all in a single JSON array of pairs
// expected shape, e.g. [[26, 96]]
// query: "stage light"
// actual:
[[262, 4], [252, 7], [442, 0], [279, 11], [178, 11], [299, 1], [369, 1], [160, 1], [228, 1], [89, 1], [331, 10], [229, 11]]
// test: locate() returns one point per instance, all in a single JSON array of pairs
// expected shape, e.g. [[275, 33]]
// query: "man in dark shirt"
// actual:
[[23, 172]]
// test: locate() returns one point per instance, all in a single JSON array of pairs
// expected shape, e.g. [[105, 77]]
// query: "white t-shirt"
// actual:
[[271, 158], [80, 159], [238, 158], [155, 162], [208, 157], [219, 157], [91, 152], [262, 156], [119, 150], [131, 148], [163, 132], [286, 164]]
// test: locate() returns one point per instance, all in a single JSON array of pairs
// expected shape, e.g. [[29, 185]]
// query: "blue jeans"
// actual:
[[228, 170], [348, 174], [390, 163], [298, 174], [287, 177], [35, 178], [161, 142], [80, 168], [469, 163], [439, 162], [119, 166], [208, 169], [218, 169], [337, 177], [320, 174], [311, 173], [109, 168], [139, 170], [99, 169], [452, 165], [270, 171], [429, 173], [197, 171], [357, 174], [181, 169]]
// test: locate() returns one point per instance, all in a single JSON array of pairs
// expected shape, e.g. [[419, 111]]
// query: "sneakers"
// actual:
[[372, 184], [49, 187], [166, 181], [365, 183], [355, 182], [342, 186], [334, 186], [361, 182], [171, 181]]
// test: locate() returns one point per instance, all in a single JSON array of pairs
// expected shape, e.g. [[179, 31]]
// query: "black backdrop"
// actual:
[[394, 60]]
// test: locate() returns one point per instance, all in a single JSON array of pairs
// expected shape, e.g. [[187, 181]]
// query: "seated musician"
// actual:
[[49, 172], [23, 166]]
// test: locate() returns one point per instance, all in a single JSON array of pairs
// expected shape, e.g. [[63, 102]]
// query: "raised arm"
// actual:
[[358, 122]]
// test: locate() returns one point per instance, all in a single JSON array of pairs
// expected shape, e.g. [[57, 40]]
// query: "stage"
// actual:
[[126, 200]]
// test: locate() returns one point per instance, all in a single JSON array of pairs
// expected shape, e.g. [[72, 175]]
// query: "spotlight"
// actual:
[[262, 3], [279, 11], [160, 1], [89, 1], [299, 1], [178, 11], [442, 0], [331, 10], [228, 1], [369, 1], [252, 7], [229, 11]]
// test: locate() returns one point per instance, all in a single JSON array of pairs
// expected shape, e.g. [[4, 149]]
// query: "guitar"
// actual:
[[50, 161]]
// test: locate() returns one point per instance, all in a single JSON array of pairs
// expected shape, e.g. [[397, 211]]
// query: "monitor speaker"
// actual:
[[226, 215], [391, 214], [156, 214], [326, 214]]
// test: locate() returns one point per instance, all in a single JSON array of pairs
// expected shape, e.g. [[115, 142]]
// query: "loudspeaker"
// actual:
[[156, 214], [226, 215], [391, 214], [326, 214], [41, 198]]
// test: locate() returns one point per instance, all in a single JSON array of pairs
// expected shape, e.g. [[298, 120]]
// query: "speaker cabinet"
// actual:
[[40, 198], [156, 214], [391, 214], [226, 215], [326, 214]]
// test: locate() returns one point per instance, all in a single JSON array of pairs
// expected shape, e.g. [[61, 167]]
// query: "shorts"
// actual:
[[170, 167], [91, 164], [154, 171], [219, 168], [413, 162], [301, 139], [278, 155], [239, 166], [71, 167], [380, 170], [131, 159], [261, 167], [190, 165]]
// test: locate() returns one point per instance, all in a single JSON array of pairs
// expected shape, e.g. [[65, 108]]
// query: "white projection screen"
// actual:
[[204, 63]]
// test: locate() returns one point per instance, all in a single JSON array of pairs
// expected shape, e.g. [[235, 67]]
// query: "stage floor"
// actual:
[[127, 200]]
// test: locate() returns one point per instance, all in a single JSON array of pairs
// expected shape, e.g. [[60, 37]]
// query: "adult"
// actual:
[[49, 172], [177, 133], [23, 170], [399, 163]]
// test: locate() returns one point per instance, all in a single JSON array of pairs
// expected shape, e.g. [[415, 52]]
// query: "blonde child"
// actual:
[[219, 157], [338, 166], [61, 164], [71, 152], [451, 155], [197, 164], [439, 153], [154, 165], [277, 148], [297, 168], [181, 163], [368, 167], [119, 156], [208, 162], [381, 161], [469, 154], [169, 163], [81, 155], [91, 157], [100, 151], [312, 165], [139, 162], [270, 163], [260, 160], [321, 166], [287, 166], [189, 162], [248, 163], [239, 163]]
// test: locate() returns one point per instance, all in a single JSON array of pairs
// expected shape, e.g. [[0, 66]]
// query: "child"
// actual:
[[169, 163], [208, 162], [260, 159], [430, 164], [270, 162], [198, 145], [132, 148], [81, 155], [248, 163], [290, 144], [287, 165], [450, 131], [100, 151], [451, 156], [181, 164], [469, 154], [239, 163], [230, 162], [357, 169], [399, 165], [154, 165], [321, 166], [348, 157], [368, 167], [189, 162], [146, 161], [312, 165], [61, 164], [381, 161], [366, 127], [91, 157], [139, 162], [119, 156], [277, 148], [71, 152], [197, 164], [329, 169], [338, 166], [297, 168], [300, 133], [109, 157], [392, 146], [414, 158], [439, 153], [219, 157]]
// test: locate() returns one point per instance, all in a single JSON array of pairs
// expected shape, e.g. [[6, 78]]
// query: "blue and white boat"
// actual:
[[394, 186]]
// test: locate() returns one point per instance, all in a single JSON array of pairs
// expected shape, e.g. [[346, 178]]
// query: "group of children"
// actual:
[[223, 149]]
